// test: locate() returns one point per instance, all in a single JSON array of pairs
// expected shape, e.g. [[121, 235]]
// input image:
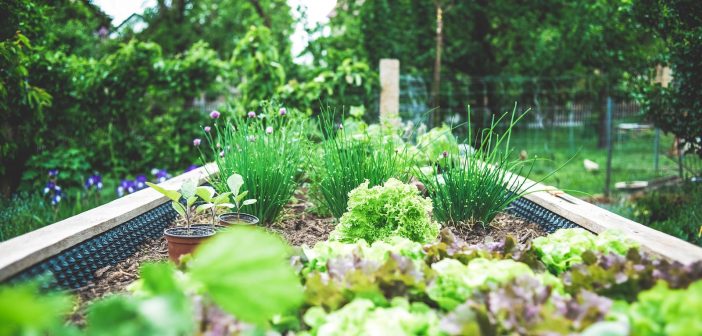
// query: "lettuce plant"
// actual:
[[363, 317], [393, 209], [565, 247]]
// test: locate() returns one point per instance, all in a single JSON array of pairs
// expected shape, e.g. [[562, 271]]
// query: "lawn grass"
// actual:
[[632, 157]]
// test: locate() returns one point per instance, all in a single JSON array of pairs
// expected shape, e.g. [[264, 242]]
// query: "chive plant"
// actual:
[[267, 153], [473, 189], [349, 160]]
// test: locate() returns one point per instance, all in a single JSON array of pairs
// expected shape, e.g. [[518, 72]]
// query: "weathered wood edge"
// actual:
[[596, 219], [28, 249]]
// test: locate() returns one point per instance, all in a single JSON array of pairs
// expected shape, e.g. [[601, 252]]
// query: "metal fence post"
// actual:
[[608, 140]]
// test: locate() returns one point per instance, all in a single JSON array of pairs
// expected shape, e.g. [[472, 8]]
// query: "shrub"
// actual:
[[266, 153], [349, 160], [394, 208], [475, 188]]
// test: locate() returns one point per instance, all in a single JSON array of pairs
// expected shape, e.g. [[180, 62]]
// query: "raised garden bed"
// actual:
[[65, 247]]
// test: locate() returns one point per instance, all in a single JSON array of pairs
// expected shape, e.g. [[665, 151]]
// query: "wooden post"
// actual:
[[389, 88]]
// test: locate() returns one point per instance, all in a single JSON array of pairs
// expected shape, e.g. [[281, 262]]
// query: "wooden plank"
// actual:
[[28, 249], [596, 219]]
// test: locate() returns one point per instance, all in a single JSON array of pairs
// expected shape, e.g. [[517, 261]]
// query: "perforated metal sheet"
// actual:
[[76, 266]]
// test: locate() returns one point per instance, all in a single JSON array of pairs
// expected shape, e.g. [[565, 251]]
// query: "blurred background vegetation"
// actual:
[[85, 96]]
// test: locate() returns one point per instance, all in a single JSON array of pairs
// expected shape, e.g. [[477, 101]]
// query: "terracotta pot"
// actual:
[[182, 240], [233, 218]]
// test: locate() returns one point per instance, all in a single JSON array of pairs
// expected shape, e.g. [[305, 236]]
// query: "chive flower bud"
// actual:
[[269, 130], [196, 142], [215, 114], [208, 129], [252, 114], [282, 111]]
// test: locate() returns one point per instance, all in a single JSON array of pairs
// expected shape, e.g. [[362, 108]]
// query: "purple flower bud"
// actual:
[[53, 172], [251, 114], [221, 154], [269, 130], [196, 142], [444, 154], [282, 111], [55, 199], [215, 114], [208, 129]]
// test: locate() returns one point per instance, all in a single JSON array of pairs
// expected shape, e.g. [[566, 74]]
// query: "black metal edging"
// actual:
[[75, 267]]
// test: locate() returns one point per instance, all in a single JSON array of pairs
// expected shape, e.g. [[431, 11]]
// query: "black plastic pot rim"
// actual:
[[247, 218], [208, 227]]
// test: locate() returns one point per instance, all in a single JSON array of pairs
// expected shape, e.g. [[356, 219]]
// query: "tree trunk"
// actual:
[[261, 13]]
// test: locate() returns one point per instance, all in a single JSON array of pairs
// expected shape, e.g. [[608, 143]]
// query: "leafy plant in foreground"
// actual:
[[475, 188], [348, 160], [395, 208]]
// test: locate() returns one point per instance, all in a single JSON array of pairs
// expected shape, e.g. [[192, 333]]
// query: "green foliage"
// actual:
[[186, 191], [268, 163], [349, 159], [392, 209], [254, 282], [456, 282], [362, 317], [24, 311], [257, 61], [565, 247], [664, 311], [435, 143], [475, 188], [676, 108], [674, 211]]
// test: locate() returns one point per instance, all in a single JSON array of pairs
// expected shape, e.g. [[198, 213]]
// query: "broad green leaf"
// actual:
[[249, 202], [204, 207], [241, 196], [205, 192], [171, 194], [188, 188], [178, 208], [235, 182], [225, 205], [192, 200], [24, 311], [253, 284], [221, 198]]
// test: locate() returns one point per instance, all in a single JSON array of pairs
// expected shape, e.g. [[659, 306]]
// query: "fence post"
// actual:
[[389, 88], [608, 140]]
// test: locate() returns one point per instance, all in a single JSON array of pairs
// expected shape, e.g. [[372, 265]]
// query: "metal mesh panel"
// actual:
[[76, 266], [533, 212]]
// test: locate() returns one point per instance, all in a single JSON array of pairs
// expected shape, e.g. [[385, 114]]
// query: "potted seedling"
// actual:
[[183, 240], [212, 202], [235, 182]]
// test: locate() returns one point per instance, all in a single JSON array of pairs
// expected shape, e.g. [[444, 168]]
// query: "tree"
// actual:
[[678, 107]]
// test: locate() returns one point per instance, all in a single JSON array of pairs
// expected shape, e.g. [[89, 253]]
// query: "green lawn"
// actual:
[[632, 157]]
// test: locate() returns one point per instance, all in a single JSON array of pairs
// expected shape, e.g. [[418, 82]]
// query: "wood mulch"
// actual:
[[298, 226]]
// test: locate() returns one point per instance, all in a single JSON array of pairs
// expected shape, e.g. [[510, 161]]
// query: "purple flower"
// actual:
[[50, 186], [53, 172], [282, 111], [127, 186], [208, 129], [139, 183], [444, 154], [191, 168], [94, 181], [251, 114], [56, 199], [215, 114], [161, 175], [221, 154], [196, 142], [269, 130]]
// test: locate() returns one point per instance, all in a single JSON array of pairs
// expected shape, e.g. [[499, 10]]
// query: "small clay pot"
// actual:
[[233, 218], [182, 240]]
